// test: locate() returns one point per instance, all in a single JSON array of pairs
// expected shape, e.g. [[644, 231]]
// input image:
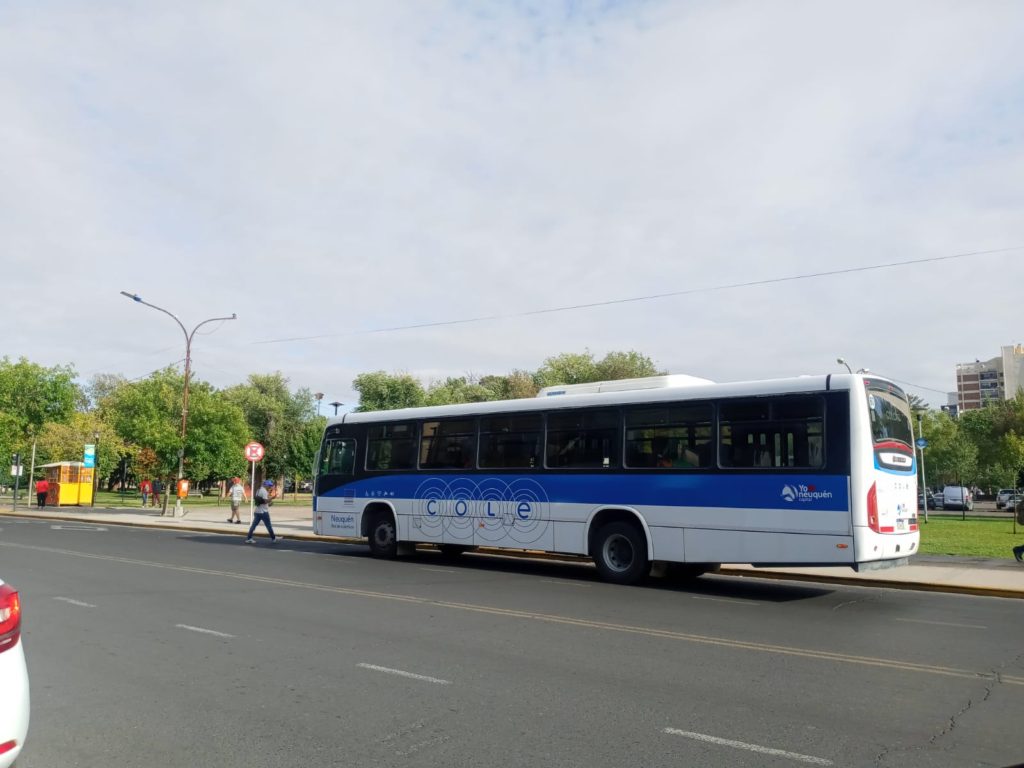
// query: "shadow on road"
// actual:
[[711, 585]]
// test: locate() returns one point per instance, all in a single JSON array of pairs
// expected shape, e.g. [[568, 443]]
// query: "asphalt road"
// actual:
[[163, 648]]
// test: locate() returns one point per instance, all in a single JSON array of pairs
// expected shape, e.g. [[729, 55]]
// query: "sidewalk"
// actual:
[[967, 575]]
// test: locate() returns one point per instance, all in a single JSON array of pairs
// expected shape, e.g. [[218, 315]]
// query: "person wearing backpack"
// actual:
[[264, 497]]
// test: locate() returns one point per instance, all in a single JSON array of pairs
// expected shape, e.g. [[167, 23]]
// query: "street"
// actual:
[[151, 647]]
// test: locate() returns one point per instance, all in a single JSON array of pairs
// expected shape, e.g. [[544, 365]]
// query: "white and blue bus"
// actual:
[[815, 470]]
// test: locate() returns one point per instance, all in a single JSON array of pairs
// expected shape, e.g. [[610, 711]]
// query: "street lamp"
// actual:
[[318, 396], [95, 465], [336, 405], [188, 372], [841, 361]]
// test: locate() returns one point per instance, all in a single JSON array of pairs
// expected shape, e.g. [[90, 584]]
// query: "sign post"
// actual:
[[922, 443], [16, 472], [253, 452]]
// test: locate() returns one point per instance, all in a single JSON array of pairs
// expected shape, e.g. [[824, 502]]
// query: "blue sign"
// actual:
[[921, 442], [89, 458]]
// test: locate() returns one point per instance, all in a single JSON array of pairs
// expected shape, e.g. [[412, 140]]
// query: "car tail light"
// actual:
[[10, 617], [873, 509]]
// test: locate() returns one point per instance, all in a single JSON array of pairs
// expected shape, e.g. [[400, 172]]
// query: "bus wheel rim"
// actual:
[[618, 553]]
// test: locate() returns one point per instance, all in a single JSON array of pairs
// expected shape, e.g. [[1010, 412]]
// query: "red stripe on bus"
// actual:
[[887, 529]]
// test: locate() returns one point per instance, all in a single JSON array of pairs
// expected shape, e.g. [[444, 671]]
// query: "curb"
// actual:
[[916, 586]]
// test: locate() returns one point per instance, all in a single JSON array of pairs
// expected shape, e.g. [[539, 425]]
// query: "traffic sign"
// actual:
[[254, 452], [921, 442]]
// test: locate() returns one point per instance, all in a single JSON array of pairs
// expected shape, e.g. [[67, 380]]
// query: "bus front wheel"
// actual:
[[620, 553], [383, 537]]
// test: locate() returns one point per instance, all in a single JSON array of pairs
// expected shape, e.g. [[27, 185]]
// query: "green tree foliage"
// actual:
[[458, 390], [581, 368], [59, 441], [917, 405], [147, 414], [31, 395], [279, 419], [381, 391]]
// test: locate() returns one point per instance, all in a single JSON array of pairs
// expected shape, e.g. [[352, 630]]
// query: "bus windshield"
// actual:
[[889, 412]]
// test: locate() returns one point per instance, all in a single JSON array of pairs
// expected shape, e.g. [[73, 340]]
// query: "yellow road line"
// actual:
[[807, 653]]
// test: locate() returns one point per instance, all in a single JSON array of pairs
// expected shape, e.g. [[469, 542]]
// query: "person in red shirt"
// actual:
[[42, 488], [145, 488]]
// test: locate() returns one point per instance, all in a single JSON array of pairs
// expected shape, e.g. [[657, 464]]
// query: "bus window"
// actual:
[[338, 457], [776, 432], [669, 436], [391, 446], [583, 439], [511, 442], [448, 445]]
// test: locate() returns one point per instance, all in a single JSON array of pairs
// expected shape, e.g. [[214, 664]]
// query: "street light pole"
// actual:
[[841, 361], [924, 483], [95, 466], [318, 397], [336, 405], [188, 373]]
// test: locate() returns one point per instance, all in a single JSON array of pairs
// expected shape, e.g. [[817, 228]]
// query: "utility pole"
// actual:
[[189, 335], [924, 483]]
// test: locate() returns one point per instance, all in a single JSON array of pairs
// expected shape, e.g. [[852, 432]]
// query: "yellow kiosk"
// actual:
[[70, 483]]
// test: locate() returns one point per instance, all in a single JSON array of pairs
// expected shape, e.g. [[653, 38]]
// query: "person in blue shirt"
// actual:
[[264, 497]]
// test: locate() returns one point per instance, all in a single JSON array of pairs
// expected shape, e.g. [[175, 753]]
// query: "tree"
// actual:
[[457, 390], [31, 395], [147, 414], [917, 405], [581, 368], [65, 442], [279, 419], [381, 391]]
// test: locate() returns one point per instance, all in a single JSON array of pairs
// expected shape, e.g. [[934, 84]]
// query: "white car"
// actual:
[[1003, 497], [13, 678]]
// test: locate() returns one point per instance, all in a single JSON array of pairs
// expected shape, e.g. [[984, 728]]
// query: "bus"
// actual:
[[679, 473]]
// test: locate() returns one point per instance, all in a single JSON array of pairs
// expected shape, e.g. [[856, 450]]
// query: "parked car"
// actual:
[[957, 497], [14, 699], [1003, 496], [939, 499], [931, 501]]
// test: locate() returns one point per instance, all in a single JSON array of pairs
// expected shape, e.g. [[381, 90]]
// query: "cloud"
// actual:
[[320, 169]]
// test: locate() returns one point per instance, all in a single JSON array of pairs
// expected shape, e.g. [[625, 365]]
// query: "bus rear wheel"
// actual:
[[620, 553], [383, 537]]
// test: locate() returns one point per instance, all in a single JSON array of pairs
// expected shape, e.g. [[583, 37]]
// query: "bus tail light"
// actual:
[[10, 617], [873, 508]]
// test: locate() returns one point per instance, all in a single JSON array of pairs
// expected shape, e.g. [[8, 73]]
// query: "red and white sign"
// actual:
[[254, 452]]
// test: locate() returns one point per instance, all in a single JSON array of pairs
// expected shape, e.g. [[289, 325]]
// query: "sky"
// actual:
[[329, 170]]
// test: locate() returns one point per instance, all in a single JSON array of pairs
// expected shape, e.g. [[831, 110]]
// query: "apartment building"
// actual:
[[982, 382]]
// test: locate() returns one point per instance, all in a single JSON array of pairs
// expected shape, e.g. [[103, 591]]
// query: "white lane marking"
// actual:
[[752, 747], [567, 583], [943, 623], [74, 602], [401, 673], [77, 528], [724, 600], [190, 628], [436, 570]]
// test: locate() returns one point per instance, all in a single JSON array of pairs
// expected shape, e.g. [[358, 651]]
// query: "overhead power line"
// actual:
[[650, 297]]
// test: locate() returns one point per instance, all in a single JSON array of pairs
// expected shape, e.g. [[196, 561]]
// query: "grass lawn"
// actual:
[[977, 537], [105, 499]]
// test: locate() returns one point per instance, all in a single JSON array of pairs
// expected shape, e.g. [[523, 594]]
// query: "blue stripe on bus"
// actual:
[[827, 493]]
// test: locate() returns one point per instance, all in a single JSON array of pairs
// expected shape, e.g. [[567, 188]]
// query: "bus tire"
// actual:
[[383, 536], [620, 553], [452, 551]]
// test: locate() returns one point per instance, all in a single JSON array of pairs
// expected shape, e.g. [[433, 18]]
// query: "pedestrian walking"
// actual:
[[145, 488], [236, 495], [158, 488], [264, 497], [42, 488]]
